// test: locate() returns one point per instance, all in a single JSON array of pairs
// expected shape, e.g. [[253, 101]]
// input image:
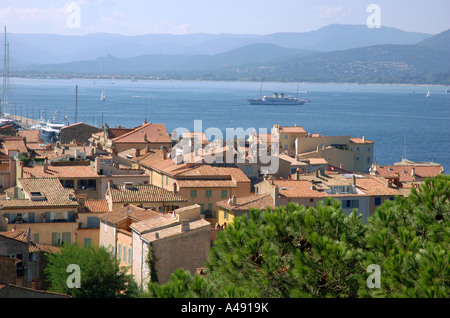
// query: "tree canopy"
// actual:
[[99, 274], [293, 251]]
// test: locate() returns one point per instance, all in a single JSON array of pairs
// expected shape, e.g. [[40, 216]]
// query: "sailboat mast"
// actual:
[[4, 77], [76, 103]]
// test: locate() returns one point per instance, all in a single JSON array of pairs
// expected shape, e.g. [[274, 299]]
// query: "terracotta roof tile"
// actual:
[[298, 189], [155, 133], [14, 144], [121, 214], [292, 129], [31, 136], [257, 201], [96, 206], [51, 191], [143, 193], [69, 171], [361, 141], [405, 172], [175, 230]]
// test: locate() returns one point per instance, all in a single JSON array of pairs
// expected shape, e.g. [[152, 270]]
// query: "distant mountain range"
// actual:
[[336, 53]]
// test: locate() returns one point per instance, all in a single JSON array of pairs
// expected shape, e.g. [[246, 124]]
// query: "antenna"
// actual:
[[404, 154], [76, 103]]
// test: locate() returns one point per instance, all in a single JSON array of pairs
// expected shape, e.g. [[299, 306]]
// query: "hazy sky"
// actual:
[[134, 17]]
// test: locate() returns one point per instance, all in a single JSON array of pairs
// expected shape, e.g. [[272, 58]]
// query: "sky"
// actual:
[[137, 17]]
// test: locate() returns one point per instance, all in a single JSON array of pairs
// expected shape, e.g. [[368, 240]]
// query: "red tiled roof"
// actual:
[[143, 193], [31, 136], [361, 141], [155, 133], [14, 144], [405, 172], [116, 132], [297, 189], [76, 171], [292, 129], [129, 211], [51, 191], [257, 201], [96, 206]]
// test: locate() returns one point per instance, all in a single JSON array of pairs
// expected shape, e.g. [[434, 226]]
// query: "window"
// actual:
[[285, 146], [368, 149], [36, 237], [225, 214], [286, 136], [224, 194], [208, 193], [129, 255], [350, 204], [56, 239], [193, 193], [377, 201], [368, 159], [67, 184], [358, 158], [210, 207], [124, 254], [93, 222], [87, 242], [66, 237], [202, 208], [119, 250], [311, 200]]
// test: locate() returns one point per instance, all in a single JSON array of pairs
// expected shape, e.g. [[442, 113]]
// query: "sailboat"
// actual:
[[428, 94], [103, 97]]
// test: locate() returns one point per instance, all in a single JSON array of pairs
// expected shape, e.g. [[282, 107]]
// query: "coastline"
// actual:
[[158, 78]]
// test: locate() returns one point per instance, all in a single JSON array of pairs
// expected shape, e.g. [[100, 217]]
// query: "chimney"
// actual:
[[46, 164], [297, 174], [316, 172], [137, 152], [413, 172], [82, 200], [341, 166], [363, 139], [185, 226], [157, 235], [233, 200], [353, 180], [21, 165]]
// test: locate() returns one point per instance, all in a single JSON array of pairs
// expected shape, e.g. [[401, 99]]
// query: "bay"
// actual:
[[398, 118]]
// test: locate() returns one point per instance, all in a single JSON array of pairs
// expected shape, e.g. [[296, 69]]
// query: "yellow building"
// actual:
[[44, 206], [287, 136], [115, 233], [237, 207], [202, 184], [88, 218]]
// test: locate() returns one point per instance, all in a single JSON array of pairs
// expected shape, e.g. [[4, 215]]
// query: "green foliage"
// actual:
[[101, 276], [294, 251], [409, 239]]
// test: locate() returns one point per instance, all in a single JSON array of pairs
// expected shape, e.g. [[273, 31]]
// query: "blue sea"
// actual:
[[400, 119]]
